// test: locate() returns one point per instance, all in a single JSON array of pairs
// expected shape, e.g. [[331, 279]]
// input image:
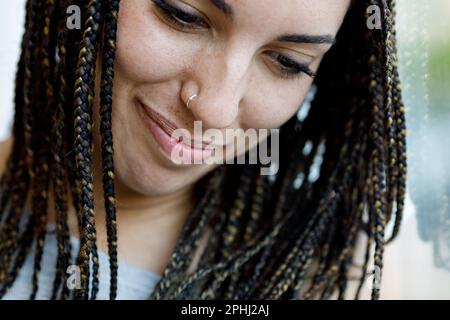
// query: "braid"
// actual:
[[392, 150], [311, 237], [109, 48], [59, 178], [381, 212], [400, 125], [26, 242], [264, 263], [40, 196], [22, 154], [203, 211], [268, 235], [84, 96]]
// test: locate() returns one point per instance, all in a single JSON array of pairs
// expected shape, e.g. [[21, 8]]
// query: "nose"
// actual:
[[219, 80]]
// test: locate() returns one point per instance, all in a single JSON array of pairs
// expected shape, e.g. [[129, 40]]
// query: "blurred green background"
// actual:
[[419, 260]]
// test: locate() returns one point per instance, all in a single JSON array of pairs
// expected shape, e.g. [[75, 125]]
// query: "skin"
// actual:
[[228, 66]]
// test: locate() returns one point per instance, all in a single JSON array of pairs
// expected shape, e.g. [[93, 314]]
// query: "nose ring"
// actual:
[[190, 99]]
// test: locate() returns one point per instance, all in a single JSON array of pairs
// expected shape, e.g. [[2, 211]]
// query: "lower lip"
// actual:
[[189, 154]]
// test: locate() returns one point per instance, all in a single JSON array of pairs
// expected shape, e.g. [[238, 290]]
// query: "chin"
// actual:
[[149, 178], [146, 178]]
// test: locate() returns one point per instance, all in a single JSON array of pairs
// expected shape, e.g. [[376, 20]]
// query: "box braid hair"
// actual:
[[269, 239]]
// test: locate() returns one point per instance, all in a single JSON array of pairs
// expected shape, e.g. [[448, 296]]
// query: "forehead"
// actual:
[[300, 16]]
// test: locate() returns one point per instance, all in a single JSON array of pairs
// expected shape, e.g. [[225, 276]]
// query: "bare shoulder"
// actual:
[[5, 150]]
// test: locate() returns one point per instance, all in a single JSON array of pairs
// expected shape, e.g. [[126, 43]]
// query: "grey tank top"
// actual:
[[133, 283]]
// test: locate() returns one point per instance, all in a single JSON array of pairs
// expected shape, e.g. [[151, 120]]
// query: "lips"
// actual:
[[169, 127], [162, 131]]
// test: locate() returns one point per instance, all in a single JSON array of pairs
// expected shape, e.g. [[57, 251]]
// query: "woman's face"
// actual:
[[240, 56]]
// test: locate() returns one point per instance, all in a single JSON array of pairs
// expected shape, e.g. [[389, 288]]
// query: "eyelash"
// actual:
[[289, 69]]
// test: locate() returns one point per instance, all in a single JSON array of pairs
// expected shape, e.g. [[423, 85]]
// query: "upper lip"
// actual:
[[169, 127]]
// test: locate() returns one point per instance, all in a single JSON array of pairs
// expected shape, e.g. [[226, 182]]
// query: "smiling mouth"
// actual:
[[169, 128]]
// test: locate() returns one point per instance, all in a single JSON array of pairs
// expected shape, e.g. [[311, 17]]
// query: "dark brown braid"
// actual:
[[109, 47], [59, 150], [84, 96], [400, 125], [42, 153], [341, 175], [21, 159]]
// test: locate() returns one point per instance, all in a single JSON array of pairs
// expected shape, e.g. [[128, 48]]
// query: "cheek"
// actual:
[[272, 110], [272, 106], [145, 45], [273, 103]]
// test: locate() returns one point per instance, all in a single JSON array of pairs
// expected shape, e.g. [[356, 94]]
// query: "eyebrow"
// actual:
[[226, 9], [305, 38]]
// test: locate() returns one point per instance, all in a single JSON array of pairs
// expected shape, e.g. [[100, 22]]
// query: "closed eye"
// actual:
[[289, 67], [180, 18]]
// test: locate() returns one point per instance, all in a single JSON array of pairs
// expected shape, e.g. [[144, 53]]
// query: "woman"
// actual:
[[94, 109]]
